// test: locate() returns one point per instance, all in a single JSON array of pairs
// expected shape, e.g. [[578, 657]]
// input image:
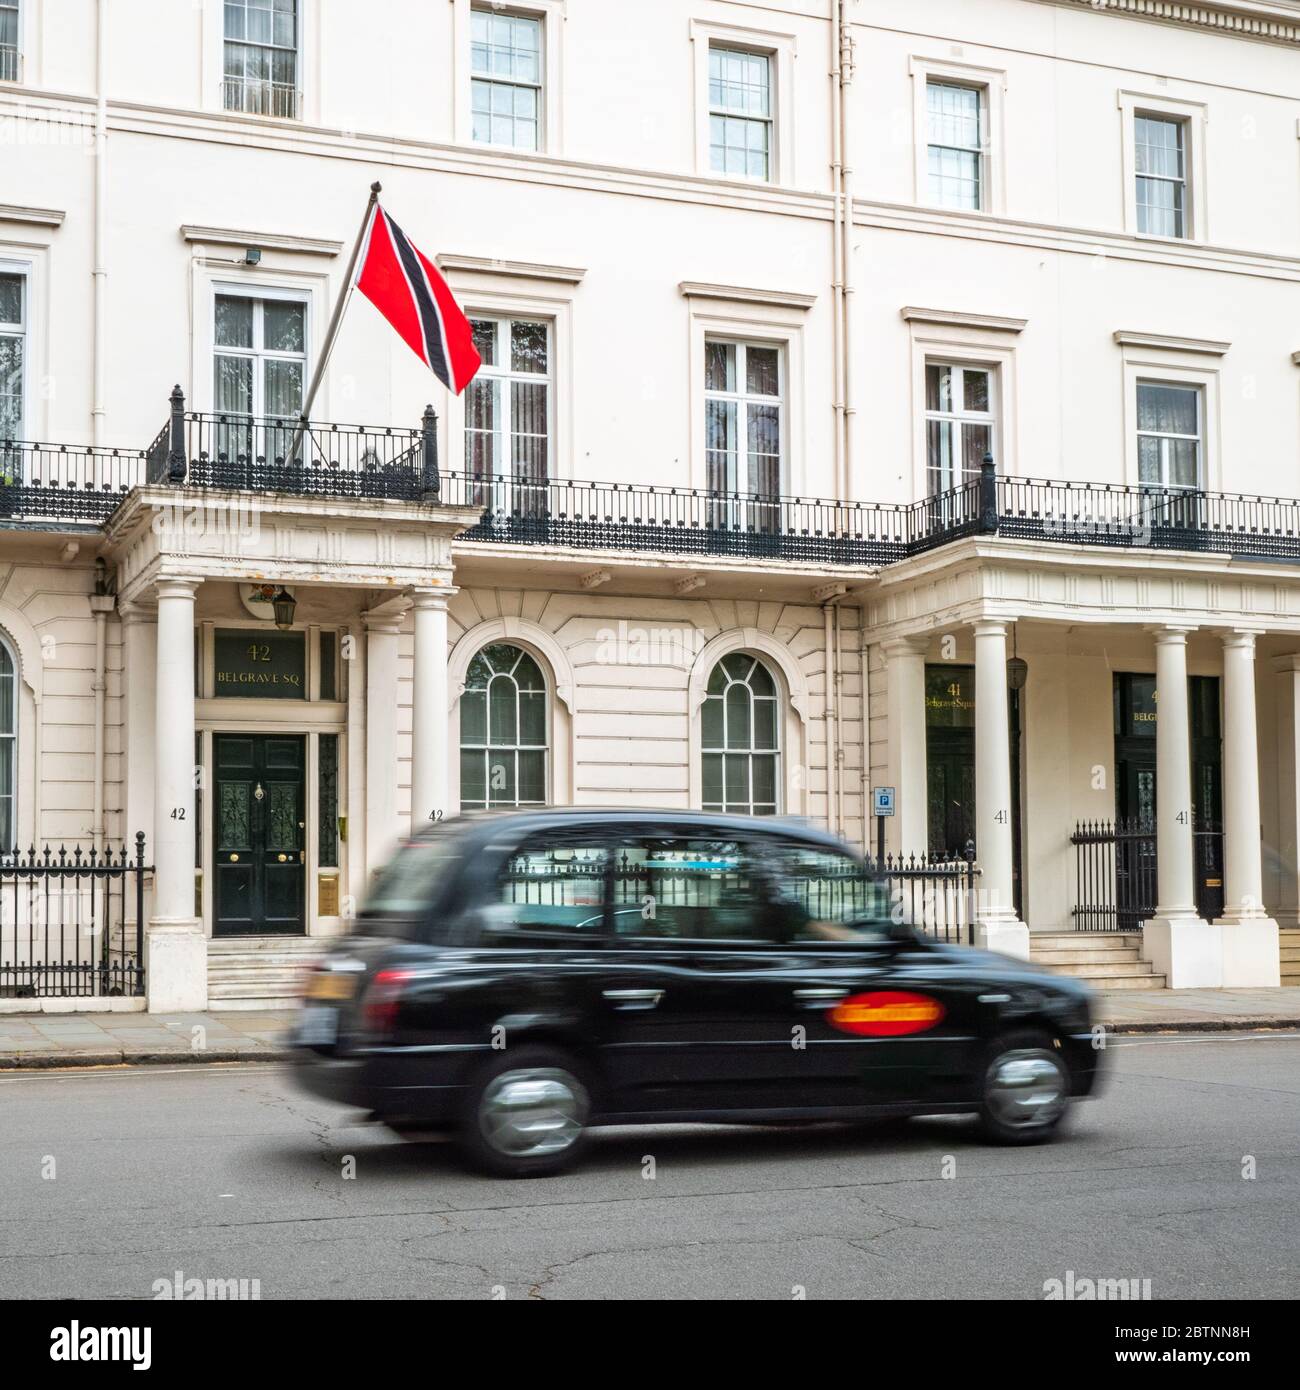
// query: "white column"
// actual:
[[429, 726], [1182, 947], [1250, 937], [996, 925], [907, 831], [176, 959], [139, 690], [382, 828]]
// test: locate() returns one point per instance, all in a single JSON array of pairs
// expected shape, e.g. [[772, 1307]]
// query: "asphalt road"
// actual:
[[227, 1172]]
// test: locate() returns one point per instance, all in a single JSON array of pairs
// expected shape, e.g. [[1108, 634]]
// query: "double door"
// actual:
[[259, 834]]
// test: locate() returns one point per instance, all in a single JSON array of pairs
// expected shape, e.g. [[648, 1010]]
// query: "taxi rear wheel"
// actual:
[[1025, 1089], [526, 1114]]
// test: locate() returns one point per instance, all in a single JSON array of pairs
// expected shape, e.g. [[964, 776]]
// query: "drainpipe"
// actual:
[[101, 605], [865, 688], [99, 273], [837, 257], [831, 716], [846, 41]]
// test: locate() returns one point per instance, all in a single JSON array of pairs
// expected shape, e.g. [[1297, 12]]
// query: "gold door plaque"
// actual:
[[327, 895]]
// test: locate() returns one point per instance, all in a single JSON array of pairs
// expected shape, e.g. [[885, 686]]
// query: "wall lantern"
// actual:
[[1017, 667], [284, 604]]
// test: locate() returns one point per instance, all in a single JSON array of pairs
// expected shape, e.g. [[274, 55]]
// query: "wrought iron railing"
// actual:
[[279, 455], [1116, 881], [686, 521], [71, 923], [10, 63], [253, 97], [63, 486], [58, 484]]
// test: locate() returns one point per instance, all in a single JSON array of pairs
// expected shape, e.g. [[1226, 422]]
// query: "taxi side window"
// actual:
[[551, 890], [827, 895], [694, 889]]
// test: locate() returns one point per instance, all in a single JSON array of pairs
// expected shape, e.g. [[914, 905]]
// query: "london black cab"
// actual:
[[520, 977]]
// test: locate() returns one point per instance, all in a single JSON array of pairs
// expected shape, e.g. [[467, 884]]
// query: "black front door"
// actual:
[[258, 836]]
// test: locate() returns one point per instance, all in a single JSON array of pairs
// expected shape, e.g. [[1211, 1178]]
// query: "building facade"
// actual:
[[836, 353]]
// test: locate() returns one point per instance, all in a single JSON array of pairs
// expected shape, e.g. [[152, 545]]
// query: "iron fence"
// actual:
[[1116, 878], [54, 483], [71, 923], [256, 97]]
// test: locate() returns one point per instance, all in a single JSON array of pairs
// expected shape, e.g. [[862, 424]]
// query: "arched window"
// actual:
[[503, 724], [8, 748], [739, 741]]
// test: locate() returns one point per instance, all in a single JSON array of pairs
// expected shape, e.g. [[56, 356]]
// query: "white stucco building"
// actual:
[[722, 259]]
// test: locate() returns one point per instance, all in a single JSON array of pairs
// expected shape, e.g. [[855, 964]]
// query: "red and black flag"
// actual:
[[405, 286]]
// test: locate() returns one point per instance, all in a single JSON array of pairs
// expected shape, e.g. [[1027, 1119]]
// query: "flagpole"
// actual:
[[336, 320]]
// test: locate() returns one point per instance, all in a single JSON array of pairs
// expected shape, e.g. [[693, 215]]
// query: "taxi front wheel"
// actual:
[[526, 1114], [1025, 1090]]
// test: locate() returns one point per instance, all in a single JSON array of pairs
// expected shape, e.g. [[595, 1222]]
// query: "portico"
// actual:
[[1108, 640], [272, 773]]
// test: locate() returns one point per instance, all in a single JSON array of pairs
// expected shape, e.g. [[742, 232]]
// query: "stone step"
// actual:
[[263, 1003], [1097, 955], [1107, 970], [1082, 940], [240, 945], [1127, 982]]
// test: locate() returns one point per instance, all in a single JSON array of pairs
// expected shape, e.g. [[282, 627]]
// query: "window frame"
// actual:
[[486, 748], [744, 400], [768, 121], [504, 479], [980, 150], [492, 11], [1182, 209], [1172, 367], [780, 51], [22, 330], [258, 353], [20, 20], [551, 14], [1193, 117], [298, 112], [725, 751], [958, 418], [991, 83], [1164, 485]]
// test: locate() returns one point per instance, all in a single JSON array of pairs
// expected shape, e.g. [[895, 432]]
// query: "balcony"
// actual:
[[11, 63], [255, 97], [62, 487]]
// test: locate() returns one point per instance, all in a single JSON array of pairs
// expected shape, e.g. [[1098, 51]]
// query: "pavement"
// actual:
[[111, 1039], [126, 1183]]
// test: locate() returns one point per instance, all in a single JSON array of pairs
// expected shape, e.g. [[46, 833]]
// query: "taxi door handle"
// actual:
[[827, 993], [633, 998]]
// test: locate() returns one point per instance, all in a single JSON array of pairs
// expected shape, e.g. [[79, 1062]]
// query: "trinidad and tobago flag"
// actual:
[[405, 286]]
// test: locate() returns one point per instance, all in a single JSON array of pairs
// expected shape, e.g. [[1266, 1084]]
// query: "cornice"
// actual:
[[39, 217], [955, 318], [783, 299], [267, 241], [1268, 21], [1168, 342], [523, 270]]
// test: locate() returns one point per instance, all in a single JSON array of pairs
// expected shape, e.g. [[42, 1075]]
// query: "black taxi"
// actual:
[[517, 978]]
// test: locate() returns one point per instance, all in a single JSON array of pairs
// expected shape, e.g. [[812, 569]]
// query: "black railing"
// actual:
[[71, 923], [935, 895], [63, 486], [1116, 885], [280, 455], [60, 485], [679, 521]]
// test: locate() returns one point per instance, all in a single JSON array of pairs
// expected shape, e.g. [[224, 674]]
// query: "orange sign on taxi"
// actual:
[[885, 1013]]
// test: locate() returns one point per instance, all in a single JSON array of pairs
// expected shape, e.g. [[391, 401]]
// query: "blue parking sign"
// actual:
[[883, 801]]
